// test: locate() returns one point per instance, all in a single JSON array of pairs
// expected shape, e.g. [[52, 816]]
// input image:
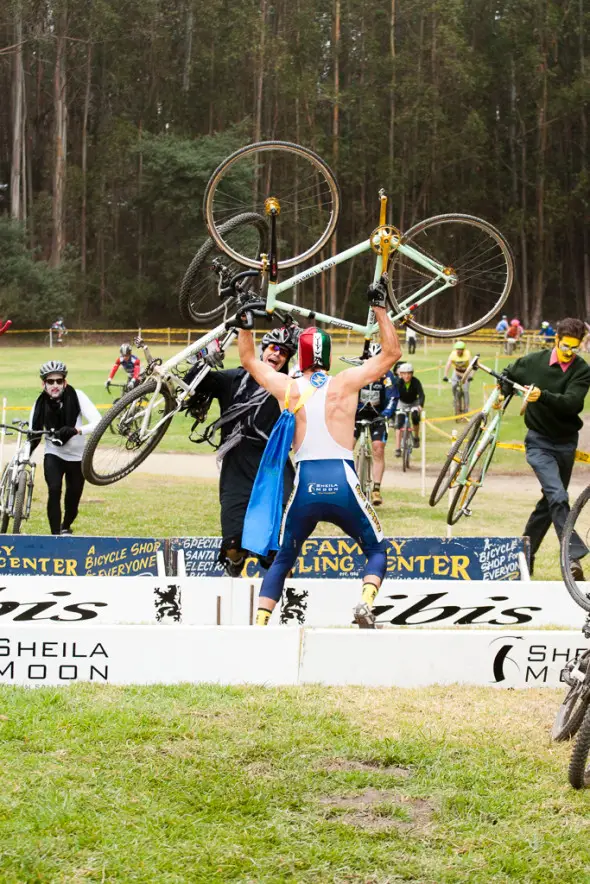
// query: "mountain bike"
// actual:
[[18, 477], [426, 269], [573, 716], [406, 438], [468, 460]]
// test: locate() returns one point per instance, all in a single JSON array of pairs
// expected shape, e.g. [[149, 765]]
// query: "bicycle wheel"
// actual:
[[578, 773], [577, 523], [363, 471], [198, 300], [19, 502], [406, 448], [465, 493], [5, 497], [573, 708], [457, 457], [305, 187], [109, 457], [469, 249]]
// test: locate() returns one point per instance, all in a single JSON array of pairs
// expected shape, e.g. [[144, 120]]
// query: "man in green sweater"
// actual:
[[561, 380]]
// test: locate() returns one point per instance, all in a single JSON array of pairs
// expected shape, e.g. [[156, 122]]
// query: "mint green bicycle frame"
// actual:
[[441, 281]]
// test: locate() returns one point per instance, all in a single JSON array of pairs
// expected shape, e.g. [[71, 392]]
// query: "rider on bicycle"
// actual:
[[129, 362], [411, 399], [59, 327], [458, 360], [377, 403]]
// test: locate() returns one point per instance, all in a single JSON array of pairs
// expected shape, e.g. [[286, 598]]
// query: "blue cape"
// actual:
[[265, 509]]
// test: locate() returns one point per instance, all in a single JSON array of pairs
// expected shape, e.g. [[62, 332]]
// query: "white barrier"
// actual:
[[210, 601], [40, 655], [466, 603]]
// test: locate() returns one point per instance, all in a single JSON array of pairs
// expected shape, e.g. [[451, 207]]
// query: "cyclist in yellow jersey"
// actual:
[[458, 360]]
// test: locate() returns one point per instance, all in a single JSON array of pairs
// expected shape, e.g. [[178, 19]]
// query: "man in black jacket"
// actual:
[[561, 380], [248, 414]]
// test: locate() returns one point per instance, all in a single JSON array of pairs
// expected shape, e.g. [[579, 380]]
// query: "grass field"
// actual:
[[206, 784]]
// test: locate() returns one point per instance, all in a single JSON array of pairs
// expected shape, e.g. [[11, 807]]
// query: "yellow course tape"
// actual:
[[453, 417], [582, 456]]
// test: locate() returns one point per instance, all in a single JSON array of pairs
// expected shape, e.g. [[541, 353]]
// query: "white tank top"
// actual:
[[318, 443]]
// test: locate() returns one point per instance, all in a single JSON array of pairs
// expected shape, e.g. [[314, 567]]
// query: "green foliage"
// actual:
[[31, 292]]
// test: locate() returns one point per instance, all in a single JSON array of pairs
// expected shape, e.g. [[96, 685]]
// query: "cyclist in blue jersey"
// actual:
[[326, 485], [377, 403], [127, 361]]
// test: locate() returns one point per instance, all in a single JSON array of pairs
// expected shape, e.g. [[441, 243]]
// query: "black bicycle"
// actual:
[[18, 477], [573, 716]]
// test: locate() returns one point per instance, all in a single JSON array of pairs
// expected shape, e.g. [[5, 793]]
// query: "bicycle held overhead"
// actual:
[[435, 262]]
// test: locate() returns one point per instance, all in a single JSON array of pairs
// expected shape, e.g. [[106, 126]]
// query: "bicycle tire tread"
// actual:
[[579, 756]]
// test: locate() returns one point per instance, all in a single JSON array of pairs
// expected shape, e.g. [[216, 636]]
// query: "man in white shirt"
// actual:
[[61, 408]]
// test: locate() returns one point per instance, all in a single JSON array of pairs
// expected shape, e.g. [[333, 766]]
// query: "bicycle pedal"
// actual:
[[467, 512]]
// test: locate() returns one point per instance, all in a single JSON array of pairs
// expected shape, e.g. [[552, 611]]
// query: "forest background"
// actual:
[[114, 115]]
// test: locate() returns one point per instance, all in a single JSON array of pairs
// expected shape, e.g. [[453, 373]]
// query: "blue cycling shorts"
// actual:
[[326, 491]]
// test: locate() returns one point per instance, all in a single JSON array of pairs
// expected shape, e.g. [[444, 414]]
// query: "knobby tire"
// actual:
[[578, 595], [461, 450], [578, 773], [128, 401], [19, 502]]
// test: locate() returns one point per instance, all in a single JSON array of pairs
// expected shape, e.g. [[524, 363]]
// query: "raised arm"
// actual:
[[354, 379], [273, 381]]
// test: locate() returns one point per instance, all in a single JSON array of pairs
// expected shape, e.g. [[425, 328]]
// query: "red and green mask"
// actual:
[[315, 349]]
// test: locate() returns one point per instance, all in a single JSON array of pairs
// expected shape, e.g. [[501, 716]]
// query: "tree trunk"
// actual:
[[584, 163], [188, 47], [60, 122], [335, 137], [85, 158], [392, 102], [539, 280], [17, 191]]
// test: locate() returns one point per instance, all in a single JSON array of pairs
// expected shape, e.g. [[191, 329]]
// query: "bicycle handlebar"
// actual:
[[475, 364]]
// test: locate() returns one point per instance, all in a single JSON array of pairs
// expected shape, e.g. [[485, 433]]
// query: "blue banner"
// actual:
[[428, 558], [47, 555]]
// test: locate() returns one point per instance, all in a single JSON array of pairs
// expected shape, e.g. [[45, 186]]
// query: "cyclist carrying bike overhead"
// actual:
[[326, 485], [458, 360], [247, 415], [377, 403], [411, 399], [62, 408], [130, 363]]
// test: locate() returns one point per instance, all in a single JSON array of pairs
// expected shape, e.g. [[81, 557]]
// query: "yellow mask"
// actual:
[[566, 348]]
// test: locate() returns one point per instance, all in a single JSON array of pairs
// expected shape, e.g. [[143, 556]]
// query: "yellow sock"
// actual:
[[369, 593], [262, 617]]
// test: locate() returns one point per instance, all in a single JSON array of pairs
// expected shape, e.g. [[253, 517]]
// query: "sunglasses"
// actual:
[[566, 348], [54, 381], [276, 348]]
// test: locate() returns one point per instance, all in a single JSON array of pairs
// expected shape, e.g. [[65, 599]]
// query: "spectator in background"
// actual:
[[502, 326], [410, 339], [512, 336]]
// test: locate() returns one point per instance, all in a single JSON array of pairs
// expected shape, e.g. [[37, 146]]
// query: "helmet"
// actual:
[[315, 349], [374, 348], [406, 366], [544, 325], [54, 365], [284, 337], [515, 322], [125, 349], [504, 316], [459, 345]]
